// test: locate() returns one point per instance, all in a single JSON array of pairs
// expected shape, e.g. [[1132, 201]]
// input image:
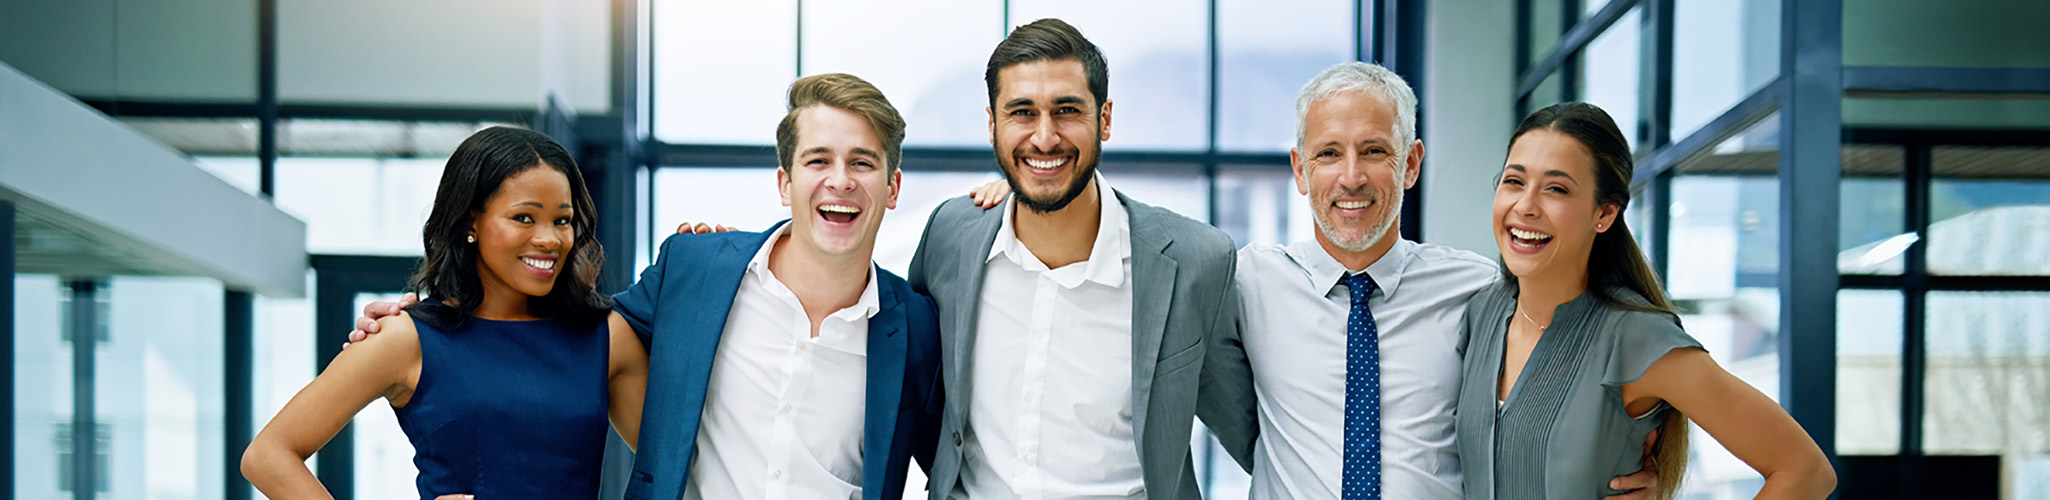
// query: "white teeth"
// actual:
[[1045, 164], [843, 209], [539, 264], [1528, 235], [1351, 204]]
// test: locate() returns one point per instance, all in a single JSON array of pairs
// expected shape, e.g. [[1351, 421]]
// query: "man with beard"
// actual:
[[1075, 322]]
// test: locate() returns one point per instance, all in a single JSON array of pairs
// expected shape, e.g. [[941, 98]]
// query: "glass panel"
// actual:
[[1978, 34], [1990, 211], [240, 171], [1545, 28], [283, 360], [42, 388], [1987, 382], [159, 387], [1179, 188], [1158, 55], [1609, 75], [1722, 272], [941, 96], [1259, 205], [1722, 51], [1267, 52], [359, 206], [721, 69], [1868, 372], [1872, 232], [1546, 94]]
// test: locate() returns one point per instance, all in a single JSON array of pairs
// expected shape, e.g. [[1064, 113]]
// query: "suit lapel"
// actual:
[[960, 343], [711, 298], [1153, 278], [886, 345]]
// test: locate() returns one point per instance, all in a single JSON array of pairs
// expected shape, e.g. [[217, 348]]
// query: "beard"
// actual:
[[1042, 205], [1374, 233]]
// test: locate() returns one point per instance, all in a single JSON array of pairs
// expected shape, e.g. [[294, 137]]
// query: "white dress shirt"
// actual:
[[1051, 415], [782, 415], [1295, 314]]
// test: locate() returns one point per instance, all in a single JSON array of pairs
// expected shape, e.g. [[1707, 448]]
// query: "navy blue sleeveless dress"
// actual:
[[509, 409]]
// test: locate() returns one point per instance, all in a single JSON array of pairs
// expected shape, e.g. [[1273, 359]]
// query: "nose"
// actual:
[[549, 238], [1352, 174], [1044, 136], [1526, 203], [840, 178]]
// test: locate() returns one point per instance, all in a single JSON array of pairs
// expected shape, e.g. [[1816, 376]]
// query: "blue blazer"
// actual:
[[679, 309]]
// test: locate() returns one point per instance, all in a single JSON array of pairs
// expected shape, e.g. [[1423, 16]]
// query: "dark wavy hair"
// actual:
[[1615, 266], [1048, 40], [449, 273]]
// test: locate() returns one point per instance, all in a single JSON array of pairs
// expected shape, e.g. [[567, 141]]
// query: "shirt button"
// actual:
[[779, 473], [786, 408], [802, 346], [957, 438]]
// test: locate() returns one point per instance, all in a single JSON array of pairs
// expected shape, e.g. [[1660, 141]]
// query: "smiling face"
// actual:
[[1353, 170], [837, 185], [1048, 131], [1546, 213], [523, 232]]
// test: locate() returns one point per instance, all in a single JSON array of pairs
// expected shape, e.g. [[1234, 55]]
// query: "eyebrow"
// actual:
[[1548, 173], [825, 150], [1027, 101], [537, 204]]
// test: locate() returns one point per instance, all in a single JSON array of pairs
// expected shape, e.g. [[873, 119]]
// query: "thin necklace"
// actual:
[[1526, 317]]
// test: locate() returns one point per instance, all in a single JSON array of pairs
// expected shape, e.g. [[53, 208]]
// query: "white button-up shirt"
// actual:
[[783, 411], [1051, 415], [1295, 314]]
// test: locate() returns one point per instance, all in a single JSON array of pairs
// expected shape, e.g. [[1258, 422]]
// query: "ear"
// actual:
[[1295, 163], [783, 184], [992, 124], [1605, 219], [1103, 132], [896, 185], [1414, 165]]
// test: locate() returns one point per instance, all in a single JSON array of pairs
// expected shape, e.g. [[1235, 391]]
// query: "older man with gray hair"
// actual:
[[1352, 337]]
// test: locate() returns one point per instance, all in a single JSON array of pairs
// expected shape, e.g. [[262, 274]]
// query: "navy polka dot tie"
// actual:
[[1362, 476]]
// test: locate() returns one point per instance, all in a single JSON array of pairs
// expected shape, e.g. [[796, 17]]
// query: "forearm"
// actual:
[[1812, 479], [279, 473]]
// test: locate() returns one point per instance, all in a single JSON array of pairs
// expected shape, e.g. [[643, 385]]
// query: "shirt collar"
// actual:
[[866, 307], [1106, 257], [1324, 270]]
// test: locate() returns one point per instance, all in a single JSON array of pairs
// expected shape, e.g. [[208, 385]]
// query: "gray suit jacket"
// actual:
[[1183, 303]]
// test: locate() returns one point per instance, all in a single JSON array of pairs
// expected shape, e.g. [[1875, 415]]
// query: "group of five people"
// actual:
[[1055, 338]]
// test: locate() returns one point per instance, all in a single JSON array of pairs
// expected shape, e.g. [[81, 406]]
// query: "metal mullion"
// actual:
[[1810, 174], [1571, 41], [1915, 296], [85, 341]]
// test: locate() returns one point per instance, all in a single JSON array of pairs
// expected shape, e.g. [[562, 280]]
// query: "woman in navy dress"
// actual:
[[504, 379]]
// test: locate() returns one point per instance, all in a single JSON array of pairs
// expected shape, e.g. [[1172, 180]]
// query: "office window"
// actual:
[[1990, 211], [1610, 76], [360, 206], [1723, 50], [159, 387], [938, 87], [721, 69], [1987, 382], [1267, 51]]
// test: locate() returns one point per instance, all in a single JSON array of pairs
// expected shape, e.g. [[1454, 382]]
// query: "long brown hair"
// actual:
[[1615, 265], [449, 273]]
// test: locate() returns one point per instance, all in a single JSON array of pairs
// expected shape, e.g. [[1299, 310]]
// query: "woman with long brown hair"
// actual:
[[1549, 413]]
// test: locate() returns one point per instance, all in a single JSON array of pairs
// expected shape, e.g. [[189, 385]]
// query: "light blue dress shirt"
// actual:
[[1295, 317]]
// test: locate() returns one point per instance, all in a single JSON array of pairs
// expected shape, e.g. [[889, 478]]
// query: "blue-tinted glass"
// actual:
[[938, 87], [721, 69], [1266, 52], [1723, 50]]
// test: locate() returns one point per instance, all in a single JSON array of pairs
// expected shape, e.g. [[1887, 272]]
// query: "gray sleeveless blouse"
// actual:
[[1563, 432]]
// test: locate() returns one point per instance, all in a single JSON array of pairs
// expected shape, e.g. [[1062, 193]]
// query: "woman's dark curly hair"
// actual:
[[449, 272]]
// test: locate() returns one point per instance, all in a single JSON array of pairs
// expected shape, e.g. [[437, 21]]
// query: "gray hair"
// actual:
[[1362, 77]]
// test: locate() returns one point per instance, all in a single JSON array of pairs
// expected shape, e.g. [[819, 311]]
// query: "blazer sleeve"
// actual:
[[637, 303], [1226, 401]]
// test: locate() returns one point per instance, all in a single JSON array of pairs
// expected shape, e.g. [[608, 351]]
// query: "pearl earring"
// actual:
[[470, 238]]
